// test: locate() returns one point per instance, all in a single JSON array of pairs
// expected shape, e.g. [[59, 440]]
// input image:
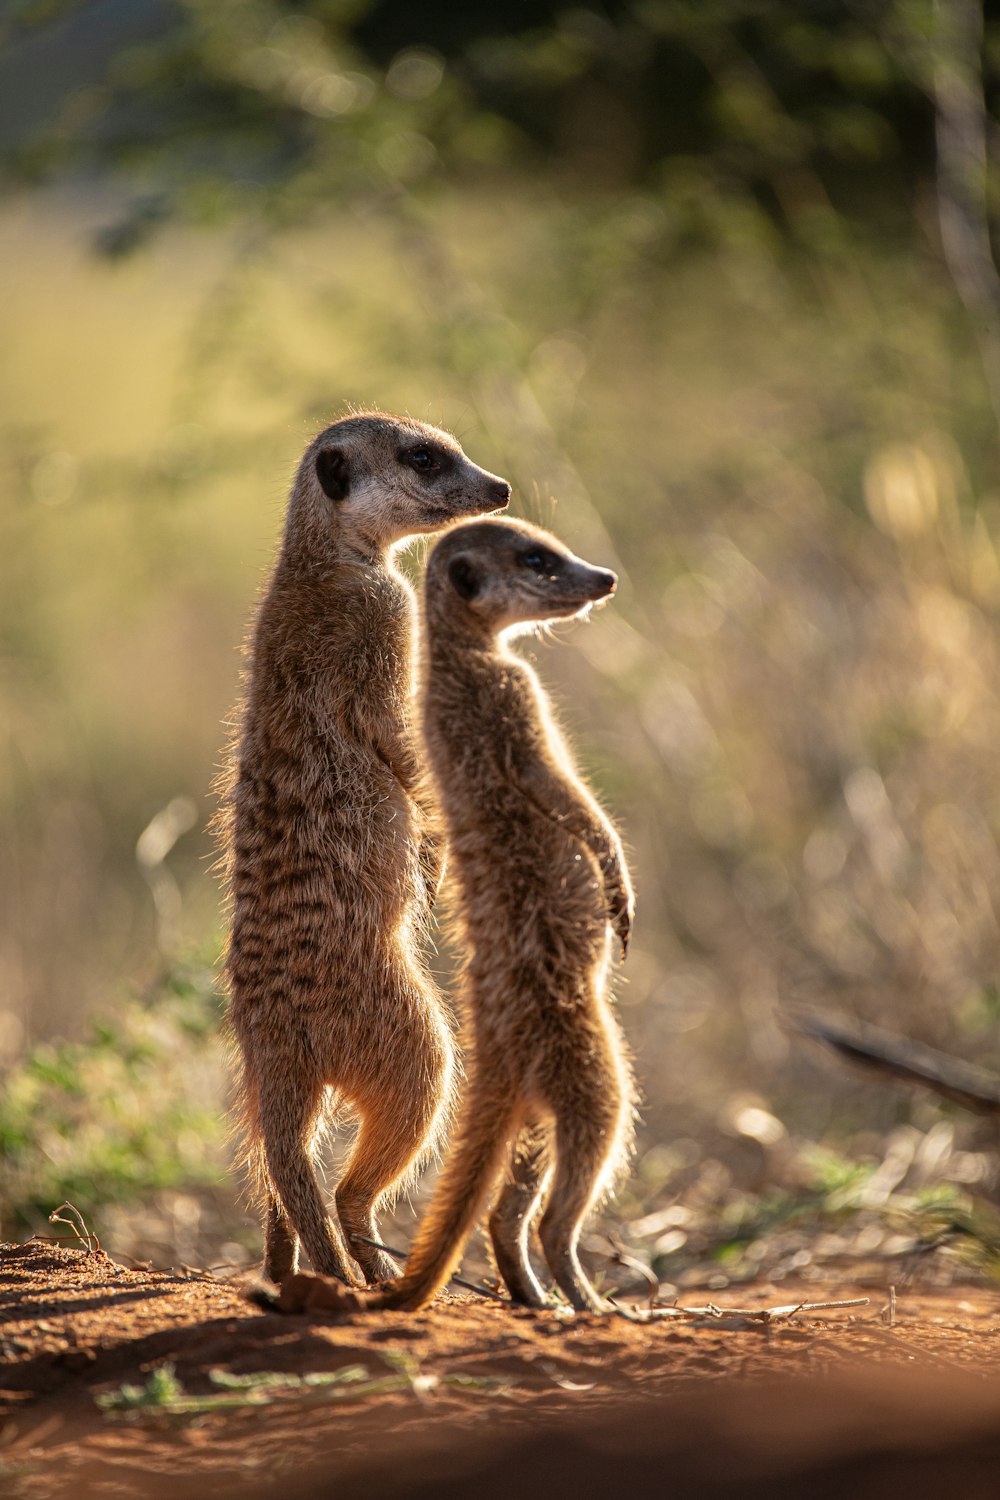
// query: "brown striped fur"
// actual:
[[330, 852], [541, 886]]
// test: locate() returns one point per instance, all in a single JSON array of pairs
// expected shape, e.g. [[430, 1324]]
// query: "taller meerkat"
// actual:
[[541, 886], [330, 855]]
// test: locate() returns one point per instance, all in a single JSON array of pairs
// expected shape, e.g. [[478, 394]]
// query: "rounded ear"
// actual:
[[464, 578], [333, 473]]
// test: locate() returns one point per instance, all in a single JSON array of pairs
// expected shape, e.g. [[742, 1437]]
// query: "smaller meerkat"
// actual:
[[541, 884]]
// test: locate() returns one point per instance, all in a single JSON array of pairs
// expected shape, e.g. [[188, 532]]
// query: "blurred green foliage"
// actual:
[[127, 1116], [672, 268], [736, 116]]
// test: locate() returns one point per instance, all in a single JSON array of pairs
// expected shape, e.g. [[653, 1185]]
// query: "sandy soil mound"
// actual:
[[116, 1381]]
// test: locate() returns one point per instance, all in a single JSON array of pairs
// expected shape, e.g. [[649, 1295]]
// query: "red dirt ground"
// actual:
[[479, 1398]]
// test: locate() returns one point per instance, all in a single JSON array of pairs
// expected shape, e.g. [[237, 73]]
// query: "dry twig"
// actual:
[[76, 1223]]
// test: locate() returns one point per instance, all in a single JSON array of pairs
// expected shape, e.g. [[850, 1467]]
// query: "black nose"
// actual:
[[607, 580], [501, 491]]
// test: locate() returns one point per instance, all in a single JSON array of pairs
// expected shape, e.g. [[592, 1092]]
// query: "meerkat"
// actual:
[[541, 885], [331, 856]]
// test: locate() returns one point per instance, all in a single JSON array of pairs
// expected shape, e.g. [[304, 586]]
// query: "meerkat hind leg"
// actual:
[[586, 1136], [373, 1166], [559, 1232], [281, 1243], [288, 1123], [397, 1125], [513, 1214]]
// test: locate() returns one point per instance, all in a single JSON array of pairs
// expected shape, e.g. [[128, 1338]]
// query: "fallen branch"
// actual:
[[962, 1082], [762, 1315]]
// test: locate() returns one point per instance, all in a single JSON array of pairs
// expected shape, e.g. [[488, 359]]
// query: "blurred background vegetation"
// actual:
[[711, 282]]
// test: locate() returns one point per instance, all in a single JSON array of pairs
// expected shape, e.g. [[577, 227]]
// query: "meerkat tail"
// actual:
[[246, 1133], [460, 1198]]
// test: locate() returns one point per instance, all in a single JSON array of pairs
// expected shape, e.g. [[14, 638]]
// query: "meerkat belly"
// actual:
[[532, 896], [318, 872]]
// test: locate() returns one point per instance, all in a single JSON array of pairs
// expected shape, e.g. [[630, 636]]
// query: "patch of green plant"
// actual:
[[750, 1218], [943, 1217], [837, 1181], [135, 1108], [164, 1394], [161, 1392], [834, 1192]]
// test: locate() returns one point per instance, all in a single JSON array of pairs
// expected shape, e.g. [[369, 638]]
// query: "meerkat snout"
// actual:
[[605, 583]]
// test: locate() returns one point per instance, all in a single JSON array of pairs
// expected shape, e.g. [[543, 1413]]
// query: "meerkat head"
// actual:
[[376, 479], [502, 574]]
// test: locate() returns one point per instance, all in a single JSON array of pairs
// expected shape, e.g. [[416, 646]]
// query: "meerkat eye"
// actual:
[[539, 562], [424, 460]]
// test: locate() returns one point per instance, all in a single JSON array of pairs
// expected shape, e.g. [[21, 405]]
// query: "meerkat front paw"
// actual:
[[621, 911]]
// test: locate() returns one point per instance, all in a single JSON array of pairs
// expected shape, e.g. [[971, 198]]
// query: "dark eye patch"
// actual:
[[426, 459], [540, 561]]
